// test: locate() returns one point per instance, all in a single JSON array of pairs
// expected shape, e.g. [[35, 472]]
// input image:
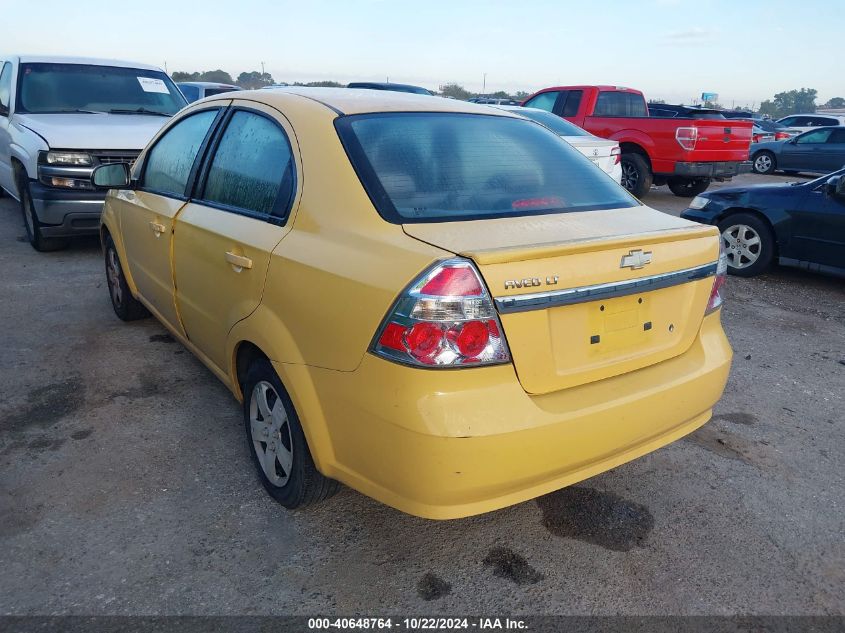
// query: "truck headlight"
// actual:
[[699, 202], [68, 158]]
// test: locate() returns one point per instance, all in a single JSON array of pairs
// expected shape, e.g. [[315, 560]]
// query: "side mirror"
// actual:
[[835, 187], [113, 176]]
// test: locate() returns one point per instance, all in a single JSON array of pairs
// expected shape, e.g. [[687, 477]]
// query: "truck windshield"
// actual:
[[54, 88], [440, 167]]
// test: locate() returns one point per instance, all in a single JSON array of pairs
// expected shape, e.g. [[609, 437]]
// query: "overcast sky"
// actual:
[[745, 51]]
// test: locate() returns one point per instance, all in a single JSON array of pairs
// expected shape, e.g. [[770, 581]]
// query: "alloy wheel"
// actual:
[[630, 176], [742, 245], [113, 275], [763, 163], [271, 435]]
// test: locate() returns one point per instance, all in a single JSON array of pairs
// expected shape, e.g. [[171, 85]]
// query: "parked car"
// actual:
[[742, 114], [821, 150], [196, 90], [492, 101], [685, 153], [59, 118], [604, 154], [780, 131], [667, 111], [796, 224], [374, 85], [807, 122], [433, 297]]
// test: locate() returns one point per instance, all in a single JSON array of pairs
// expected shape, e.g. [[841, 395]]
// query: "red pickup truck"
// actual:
[[686, 154]]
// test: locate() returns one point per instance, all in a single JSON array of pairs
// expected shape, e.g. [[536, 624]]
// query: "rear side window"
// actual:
[[620, 104], [252, 168], [440, 167], [544, 101], [169, 163], [573, 102], [838, 136]]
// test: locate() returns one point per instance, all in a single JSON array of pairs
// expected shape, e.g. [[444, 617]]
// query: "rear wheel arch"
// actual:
[[245, 353], [634, 148]]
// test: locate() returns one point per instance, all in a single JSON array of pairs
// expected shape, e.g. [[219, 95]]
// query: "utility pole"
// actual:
[[484, 84], [262, 69], [165, 68]]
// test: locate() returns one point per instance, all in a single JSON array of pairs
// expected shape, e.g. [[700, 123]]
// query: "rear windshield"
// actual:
[[559, 126], [55, 88], [217, 91], [440, 167]]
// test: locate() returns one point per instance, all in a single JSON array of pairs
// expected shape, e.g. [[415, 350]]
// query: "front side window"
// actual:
[[252, 168], [56, 88], [814, 138], [5, 86], [612, 103], [436, 167], [168, 165], [545, 101], [837, 136]]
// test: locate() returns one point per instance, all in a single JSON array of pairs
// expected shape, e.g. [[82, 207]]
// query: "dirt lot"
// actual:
[[125, 485]]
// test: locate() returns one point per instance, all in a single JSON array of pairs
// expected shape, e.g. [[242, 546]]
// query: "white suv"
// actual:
[[807, 122], [61, 117]]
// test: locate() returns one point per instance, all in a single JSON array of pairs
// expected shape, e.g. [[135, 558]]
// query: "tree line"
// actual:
[[782, 104]]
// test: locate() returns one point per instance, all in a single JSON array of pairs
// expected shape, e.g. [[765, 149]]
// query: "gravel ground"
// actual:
[[125, 485]]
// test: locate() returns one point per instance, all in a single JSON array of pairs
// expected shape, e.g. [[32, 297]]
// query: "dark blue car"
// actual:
[[818, 151], [799, 224]]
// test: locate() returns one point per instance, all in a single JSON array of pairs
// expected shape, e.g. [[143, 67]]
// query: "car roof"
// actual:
[[821, 114], [205, 84], [362, 101], [89, 61]]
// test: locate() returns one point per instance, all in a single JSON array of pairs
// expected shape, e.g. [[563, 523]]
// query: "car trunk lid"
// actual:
[[572, 311]]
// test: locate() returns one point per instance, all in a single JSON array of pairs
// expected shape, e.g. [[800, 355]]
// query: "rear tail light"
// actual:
[[781, 136], [755, 138], [716, 299], [444, 319], [686, 137], [616, 152]]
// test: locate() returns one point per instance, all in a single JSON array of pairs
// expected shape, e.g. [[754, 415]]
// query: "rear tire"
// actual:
[[277, 443], [688, 187], [764, 163], [126, 307], [749, 244], [31, 223], [636, 174]]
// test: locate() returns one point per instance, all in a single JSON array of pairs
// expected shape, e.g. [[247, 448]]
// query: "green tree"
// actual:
[[455, 90], [254, 80], [836, 102], [321, 84], [217, 76], [183, 76], [790, 102], [520, 95]]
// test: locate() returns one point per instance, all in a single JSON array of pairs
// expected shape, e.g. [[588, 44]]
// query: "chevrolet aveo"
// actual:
[[441, 305]]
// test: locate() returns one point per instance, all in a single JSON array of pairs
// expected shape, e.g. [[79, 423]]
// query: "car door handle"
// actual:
[[238, 262], [157, 228]]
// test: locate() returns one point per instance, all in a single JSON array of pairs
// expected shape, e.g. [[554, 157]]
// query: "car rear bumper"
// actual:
[[717, 170], [67, 212], [445, 444]]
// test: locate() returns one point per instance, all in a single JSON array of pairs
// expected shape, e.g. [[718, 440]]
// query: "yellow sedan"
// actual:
[[441, 305]]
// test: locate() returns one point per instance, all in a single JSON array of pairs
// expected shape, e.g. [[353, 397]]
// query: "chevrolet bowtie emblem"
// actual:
[[636, 259]]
